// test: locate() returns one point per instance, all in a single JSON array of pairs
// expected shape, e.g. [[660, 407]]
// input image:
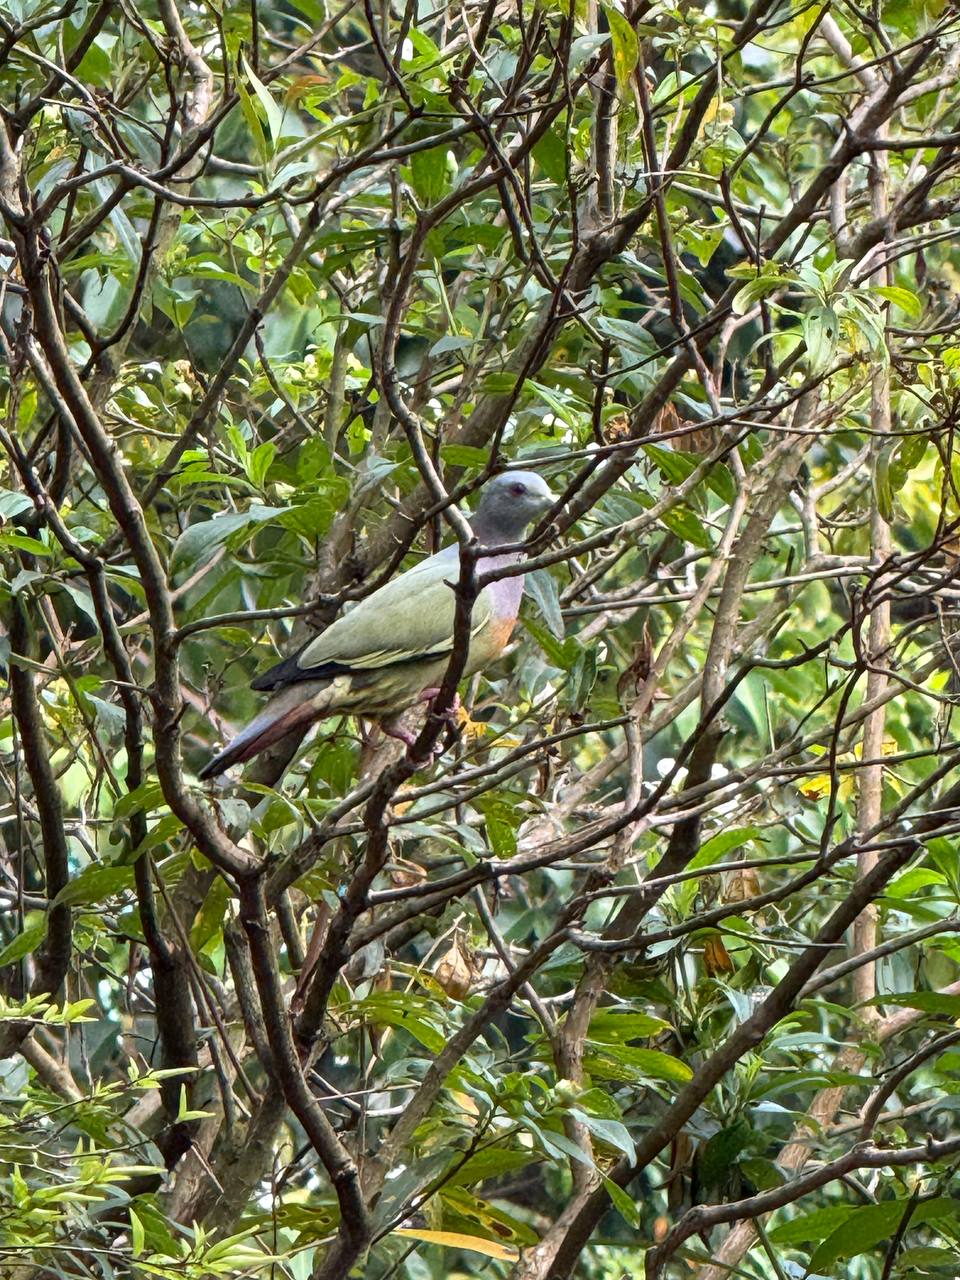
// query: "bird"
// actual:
[[391, 650]]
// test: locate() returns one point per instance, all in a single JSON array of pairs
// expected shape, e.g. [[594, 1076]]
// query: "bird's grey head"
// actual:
[[509, 503]]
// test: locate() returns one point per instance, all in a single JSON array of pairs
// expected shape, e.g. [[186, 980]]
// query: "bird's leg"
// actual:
[[453, 711], [394, 729]]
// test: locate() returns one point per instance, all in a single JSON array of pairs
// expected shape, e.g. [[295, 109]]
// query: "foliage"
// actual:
[[653, 970]]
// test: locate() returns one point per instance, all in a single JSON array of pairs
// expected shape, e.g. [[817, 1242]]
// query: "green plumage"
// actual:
[[392, 649], [411, 617]]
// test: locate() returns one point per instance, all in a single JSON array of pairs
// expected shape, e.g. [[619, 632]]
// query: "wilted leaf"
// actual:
[[455, 972], [456, 1240], [716, 958]]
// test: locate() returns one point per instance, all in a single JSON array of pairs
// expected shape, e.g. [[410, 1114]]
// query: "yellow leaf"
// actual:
[[456, 1240], [471, 728], [709, 115], [816, 787], [465, 1102]]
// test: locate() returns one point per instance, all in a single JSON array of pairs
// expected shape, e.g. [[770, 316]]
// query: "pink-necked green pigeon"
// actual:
[[392, 649]]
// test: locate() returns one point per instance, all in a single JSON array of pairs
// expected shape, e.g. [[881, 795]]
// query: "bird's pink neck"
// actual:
[[506, 593]]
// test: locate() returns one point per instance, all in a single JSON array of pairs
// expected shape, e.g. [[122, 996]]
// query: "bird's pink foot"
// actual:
[[396, 729], [393, 729], [453, 711]]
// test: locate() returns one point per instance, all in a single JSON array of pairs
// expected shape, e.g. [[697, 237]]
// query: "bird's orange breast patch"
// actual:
[[500, 633]]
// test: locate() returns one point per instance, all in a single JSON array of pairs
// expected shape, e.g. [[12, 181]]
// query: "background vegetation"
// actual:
[[655, 971]]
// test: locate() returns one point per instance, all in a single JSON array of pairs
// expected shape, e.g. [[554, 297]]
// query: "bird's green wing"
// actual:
[[409, 618]]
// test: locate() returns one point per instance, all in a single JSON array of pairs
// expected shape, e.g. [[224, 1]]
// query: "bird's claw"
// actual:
[[452, 713], [409, 739]]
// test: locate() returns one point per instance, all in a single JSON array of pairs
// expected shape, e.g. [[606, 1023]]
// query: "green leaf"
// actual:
[[906, 458], [561, 655], [713, 850], [429, 172], [160, 833], [769, 281], [95, 884], [560, 406], [498, 384], [763, 1173], [870, 326], [250, 115], [599, 1102], [424, 46], [464, 455], [272, 110], [926, 1259], [583, 677], [542, 588], [905, 299], [703, 241], [721, 482], [556, 1144], [626, 47], [611, 1132], [906, 885], [672, 464], [501, 820], [148, 797], [210, 916], [13, 504], [550, 153], [925, 1001], [200, 542], [623, 1062], [260, 462], [126, 232], [137, 1236], [882, 488], [623, 1203], [82, 598], [24, 580], [815, 1225], [450, 342], [23, 542], [869, 1224], [405, 1011], [27, 941], [613, 1026], [681, 521], [821, 332], [489, 1164], [720, 1154]]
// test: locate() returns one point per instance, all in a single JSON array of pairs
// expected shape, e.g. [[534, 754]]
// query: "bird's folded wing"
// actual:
[[411, 617]]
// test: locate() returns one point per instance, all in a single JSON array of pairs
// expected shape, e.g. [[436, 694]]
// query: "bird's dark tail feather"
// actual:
[[280, 716]]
